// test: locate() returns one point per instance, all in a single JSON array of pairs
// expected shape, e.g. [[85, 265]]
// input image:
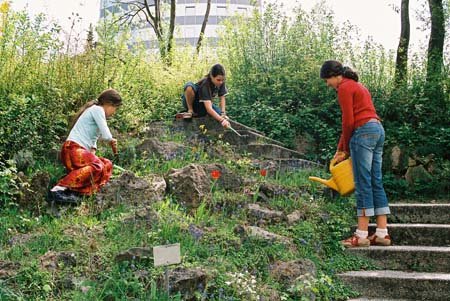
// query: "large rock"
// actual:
[[304, 143], [295, 216], [417, 174], [134, 254], [132, 190], [141, 216], [53, 261], [275, 190], [288, 272], [193, 182], [395, 158], [260, 233], [156, 129], [228, 180], [8, 269], [34, 191], [20, 239], [167, 150], [264, 215], [185, 281], [189, 184]]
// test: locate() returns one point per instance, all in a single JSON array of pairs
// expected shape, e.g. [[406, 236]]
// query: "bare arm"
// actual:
[[213, 114], [222, 105]]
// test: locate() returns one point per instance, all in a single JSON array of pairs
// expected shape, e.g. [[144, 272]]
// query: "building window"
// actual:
[[242, 11], [190, 11], [189, 31], [221, 10]]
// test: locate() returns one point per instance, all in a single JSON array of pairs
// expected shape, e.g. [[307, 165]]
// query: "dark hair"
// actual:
[[334, 68], [216, 69], [108, 96]]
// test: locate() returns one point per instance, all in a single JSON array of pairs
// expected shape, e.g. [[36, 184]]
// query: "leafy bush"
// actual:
[[9, 186]]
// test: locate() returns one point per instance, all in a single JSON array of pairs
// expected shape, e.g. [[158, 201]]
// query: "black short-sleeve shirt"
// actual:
[[208, 91]]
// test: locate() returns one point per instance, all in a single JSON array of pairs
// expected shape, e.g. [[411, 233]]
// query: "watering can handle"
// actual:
[[332, 163]]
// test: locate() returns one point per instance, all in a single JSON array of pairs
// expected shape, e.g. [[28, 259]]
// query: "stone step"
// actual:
[[437, 235], [270, 151], [246, 138], [378, 299], [408, 258], [420, 213], [399, 285], [420, 201], [286, 164]]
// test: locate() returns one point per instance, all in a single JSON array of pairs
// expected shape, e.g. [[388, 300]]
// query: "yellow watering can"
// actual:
[[341, 177]]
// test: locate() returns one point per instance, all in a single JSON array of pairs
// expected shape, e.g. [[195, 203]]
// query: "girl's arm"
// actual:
[[223, 121], [222, 105], [345, 98], [100, 119]]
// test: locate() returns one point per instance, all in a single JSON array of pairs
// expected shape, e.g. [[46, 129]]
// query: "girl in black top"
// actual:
[[198, 98]]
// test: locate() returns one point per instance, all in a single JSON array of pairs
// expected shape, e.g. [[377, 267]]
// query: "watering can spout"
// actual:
[[330, 183]]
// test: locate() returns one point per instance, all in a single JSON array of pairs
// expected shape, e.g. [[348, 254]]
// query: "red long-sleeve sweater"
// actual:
[[357, 108]]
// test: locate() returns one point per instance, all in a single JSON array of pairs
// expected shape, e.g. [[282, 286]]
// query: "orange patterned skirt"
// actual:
[[87, 173]]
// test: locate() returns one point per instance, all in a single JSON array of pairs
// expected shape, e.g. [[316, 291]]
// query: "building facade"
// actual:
[[189, 19]]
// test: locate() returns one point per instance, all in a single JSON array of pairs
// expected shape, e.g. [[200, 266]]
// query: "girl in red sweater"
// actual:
[[362, 138]]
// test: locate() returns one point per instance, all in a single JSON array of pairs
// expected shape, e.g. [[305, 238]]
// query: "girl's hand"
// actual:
[[224, 115], [340, 156], [93, 151], [113, 144], [225, 123]]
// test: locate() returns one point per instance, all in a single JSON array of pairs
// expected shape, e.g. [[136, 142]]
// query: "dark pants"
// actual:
[[198, 106]]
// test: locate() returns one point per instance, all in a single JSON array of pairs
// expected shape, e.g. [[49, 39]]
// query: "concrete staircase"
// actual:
[[417, 266]]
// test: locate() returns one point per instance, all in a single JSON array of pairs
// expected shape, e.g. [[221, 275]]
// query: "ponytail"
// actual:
[[80, 111], [108, 96], [335, 68], [349, 73]]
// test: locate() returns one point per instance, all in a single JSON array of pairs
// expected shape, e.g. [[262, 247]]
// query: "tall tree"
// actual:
[[90, 39], [436, 44], [202, 30], [401, 63], [150, 12]]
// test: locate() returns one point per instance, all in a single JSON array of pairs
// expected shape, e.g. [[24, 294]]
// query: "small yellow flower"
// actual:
[[4, 7], [203, 129]]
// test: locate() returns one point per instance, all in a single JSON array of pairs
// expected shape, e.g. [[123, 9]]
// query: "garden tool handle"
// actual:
[[113, 144]]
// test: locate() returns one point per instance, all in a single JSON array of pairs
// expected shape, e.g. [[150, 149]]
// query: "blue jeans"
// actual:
[[366, 150], [198, 106]]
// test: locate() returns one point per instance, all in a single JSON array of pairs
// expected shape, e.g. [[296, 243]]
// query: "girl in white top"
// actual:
[[87, 173]]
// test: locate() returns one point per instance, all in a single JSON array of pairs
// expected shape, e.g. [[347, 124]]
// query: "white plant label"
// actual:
[[166, 255]]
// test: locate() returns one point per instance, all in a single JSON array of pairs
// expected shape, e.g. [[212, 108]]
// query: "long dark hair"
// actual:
[[109, 96], [335, 68], [216, 69]]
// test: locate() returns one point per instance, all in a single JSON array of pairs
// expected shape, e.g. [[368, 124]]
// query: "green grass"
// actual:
[[237, 266]]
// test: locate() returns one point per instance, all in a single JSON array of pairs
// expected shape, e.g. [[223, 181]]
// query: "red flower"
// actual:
[[215, 174], [263, 172]]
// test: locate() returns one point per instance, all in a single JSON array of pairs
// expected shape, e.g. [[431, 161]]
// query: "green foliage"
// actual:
[[272, 72], [9, 182], [276, 87], [44, 82]]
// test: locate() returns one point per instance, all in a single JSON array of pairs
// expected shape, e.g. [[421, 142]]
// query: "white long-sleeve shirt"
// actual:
[[90, 127]]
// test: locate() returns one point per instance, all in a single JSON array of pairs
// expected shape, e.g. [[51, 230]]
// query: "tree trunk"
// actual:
[[150, 11], [202, 31], [173, 6], [436, 43], [401, 63]]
